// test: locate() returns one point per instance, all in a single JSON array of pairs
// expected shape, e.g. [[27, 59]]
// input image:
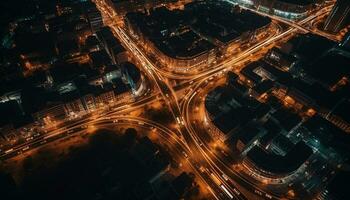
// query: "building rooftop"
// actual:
[[190, 32], [185, 45], [68, 46], [99, 59], [218, 20], [248, 133], [11, 113], [281, 144], [272, 131], [35, 99], [107, 38], [223, 99], [120, 86], [229, 109], [277, 164], [342, 110], [248, 72], [308, 47], [91, 41], [329, 134], [329, 69], [233, 119], [314, 94], [133, 72], [30, 44], [298, 2], [338, 189], [168, 31], [280, 59], [63, 72], [286, 119], [263, 87]]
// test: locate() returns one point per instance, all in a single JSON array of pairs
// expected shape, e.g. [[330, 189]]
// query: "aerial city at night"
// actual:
[[174, 99]]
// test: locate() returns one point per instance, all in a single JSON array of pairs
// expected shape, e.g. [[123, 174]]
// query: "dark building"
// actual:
[[289, 9], [328, 134], [307, 47], [280, 59], [261, 90], [247, 136], [125, 6], [273, 131], [193, 37], [36, 50], [92, 43], [286, 119], [338, 186], [277, 165], [112, 45], [95, 18], [228, 110], [67, 46], [99, 59], [231, 78], [339, 17], [319, 71]]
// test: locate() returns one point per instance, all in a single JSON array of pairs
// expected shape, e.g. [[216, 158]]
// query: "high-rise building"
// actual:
[[339, 17]]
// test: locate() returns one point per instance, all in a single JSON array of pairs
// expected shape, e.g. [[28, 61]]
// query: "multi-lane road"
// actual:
[[198, 151], [221, 179]]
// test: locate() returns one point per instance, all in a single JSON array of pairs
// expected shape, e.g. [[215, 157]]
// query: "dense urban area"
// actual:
[[174, 99]]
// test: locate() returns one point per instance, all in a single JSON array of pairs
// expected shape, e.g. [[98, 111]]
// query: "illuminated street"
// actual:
[[243, 110]]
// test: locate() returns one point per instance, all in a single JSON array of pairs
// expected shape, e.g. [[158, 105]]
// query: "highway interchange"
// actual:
[[183, 99]]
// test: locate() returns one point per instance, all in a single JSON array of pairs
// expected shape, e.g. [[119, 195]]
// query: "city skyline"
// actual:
[[175, 99]]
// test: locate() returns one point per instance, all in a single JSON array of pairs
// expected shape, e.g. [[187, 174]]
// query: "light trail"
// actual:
[[190, 140]]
